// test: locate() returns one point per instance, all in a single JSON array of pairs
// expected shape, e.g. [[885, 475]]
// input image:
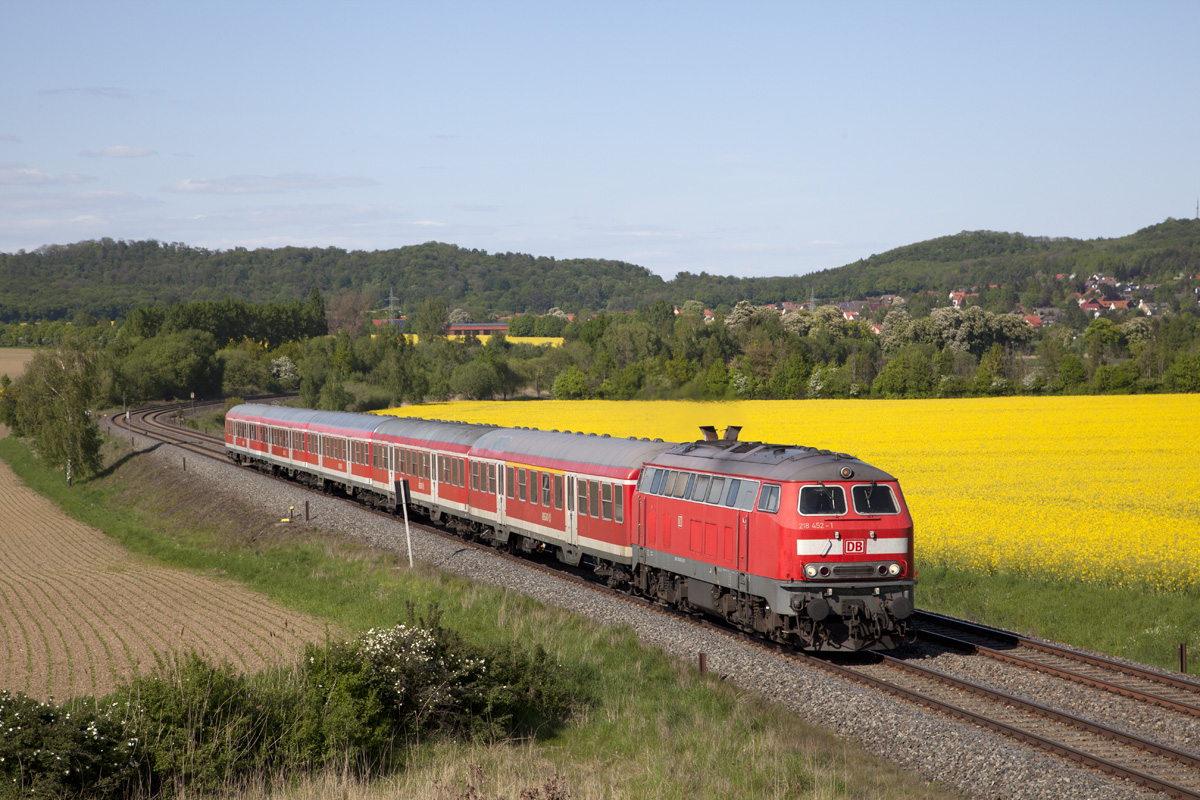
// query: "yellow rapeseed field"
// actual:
[[1102, 490]]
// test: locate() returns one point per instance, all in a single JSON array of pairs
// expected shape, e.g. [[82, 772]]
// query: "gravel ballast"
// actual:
[[975, 761]]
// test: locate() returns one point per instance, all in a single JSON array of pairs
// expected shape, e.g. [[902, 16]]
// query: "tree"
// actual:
[[429, 319], [476, 380], [52, 407], [1101, 336], [521, 326], [571, 384]]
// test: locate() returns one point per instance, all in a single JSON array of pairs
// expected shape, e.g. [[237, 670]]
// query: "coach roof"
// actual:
[[433, 432], [563, 449]]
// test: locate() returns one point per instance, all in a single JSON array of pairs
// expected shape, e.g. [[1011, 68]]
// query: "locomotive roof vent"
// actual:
[[710, 432], [731, 432]]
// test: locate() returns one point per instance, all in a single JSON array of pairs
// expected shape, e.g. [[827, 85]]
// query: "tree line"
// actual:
[[106, 279]]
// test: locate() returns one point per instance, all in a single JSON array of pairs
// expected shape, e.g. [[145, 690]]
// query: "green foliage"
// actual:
[[202, 727], [51, 403], [82, 749], [910, 374], [571, 384], [171, 365]]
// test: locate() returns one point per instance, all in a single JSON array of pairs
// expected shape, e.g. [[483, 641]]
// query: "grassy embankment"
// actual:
[[653, 727]]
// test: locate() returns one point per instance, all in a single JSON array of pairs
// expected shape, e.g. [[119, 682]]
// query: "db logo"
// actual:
[[856, 546]]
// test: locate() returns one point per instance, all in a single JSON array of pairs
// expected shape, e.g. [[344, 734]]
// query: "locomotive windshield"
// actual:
[[822, 500], [872, 500]]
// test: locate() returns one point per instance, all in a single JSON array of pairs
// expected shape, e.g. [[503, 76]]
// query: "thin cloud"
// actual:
[[120, 151], [21, 175], [427, 223], [268, 184], [8, 137], [33, 202], [92, 91]]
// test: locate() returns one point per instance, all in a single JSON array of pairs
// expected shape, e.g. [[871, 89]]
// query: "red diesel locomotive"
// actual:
[[808, 547]]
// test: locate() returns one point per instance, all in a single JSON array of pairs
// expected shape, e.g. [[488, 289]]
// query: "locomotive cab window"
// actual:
[[822, 501], [872, 500], [700, 488], [716, 492], [654, 478], [768, 501]]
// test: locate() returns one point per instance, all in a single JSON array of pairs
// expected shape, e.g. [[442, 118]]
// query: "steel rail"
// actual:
[[1001, 638]]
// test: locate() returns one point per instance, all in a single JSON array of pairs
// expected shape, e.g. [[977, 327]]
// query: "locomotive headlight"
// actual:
[[893, 569], [811, 570]]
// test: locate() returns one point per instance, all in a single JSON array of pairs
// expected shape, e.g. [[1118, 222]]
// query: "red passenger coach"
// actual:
[[808, 547]]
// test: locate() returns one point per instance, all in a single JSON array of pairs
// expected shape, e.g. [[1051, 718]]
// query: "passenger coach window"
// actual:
[[512, 485], [594, 501], [768, 501], [619, 514], [872, 500], [583, 503], [521, 485], [822, 500], [606, 501], [546, 489]]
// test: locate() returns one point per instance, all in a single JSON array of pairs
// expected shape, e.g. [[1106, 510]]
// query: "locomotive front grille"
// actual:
[[854, 570]]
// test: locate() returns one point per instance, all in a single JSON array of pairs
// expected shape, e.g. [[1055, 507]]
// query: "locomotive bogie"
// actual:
[[805, 547]]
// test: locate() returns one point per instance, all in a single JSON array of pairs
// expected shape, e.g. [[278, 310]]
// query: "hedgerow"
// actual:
[[206, 727]]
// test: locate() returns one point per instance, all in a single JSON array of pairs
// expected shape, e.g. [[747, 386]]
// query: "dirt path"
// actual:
[[78, 613]]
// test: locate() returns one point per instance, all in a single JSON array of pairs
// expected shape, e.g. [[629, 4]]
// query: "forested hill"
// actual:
[[1156, 254], [107, 278]]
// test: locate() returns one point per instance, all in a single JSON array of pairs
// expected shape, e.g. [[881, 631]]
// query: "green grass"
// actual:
[[654, 728], [1136, 624]]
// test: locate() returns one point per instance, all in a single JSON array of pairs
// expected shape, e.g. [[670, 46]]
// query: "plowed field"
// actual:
[[78, 612], [13, 361]]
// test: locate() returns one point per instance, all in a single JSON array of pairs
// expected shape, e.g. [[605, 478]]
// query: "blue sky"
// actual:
[[751, 139]]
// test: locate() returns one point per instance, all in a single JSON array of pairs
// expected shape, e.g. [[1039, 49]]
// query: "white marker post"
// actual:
[[402, 499]]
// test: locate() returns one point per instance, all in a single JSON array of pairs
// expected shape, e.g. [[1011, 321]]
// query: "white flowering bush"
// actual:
[[52, 751], [423, 676], [205, 727]]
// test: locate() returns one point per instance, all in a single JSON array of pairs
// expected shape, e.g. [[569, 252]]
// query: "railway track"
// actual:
[[1172, 771]]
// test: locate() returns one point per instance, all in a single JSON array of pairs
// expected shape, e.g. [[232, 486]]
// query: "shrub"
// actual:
[[51, 751]]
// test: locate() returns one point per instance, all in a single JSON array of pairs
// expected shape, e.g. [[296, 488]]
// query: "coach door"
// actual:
[[501, 495], [572, 526]]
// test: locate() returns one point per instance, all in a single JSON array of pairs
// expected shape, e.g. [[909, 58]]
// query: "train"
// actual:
[[807, 547]]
